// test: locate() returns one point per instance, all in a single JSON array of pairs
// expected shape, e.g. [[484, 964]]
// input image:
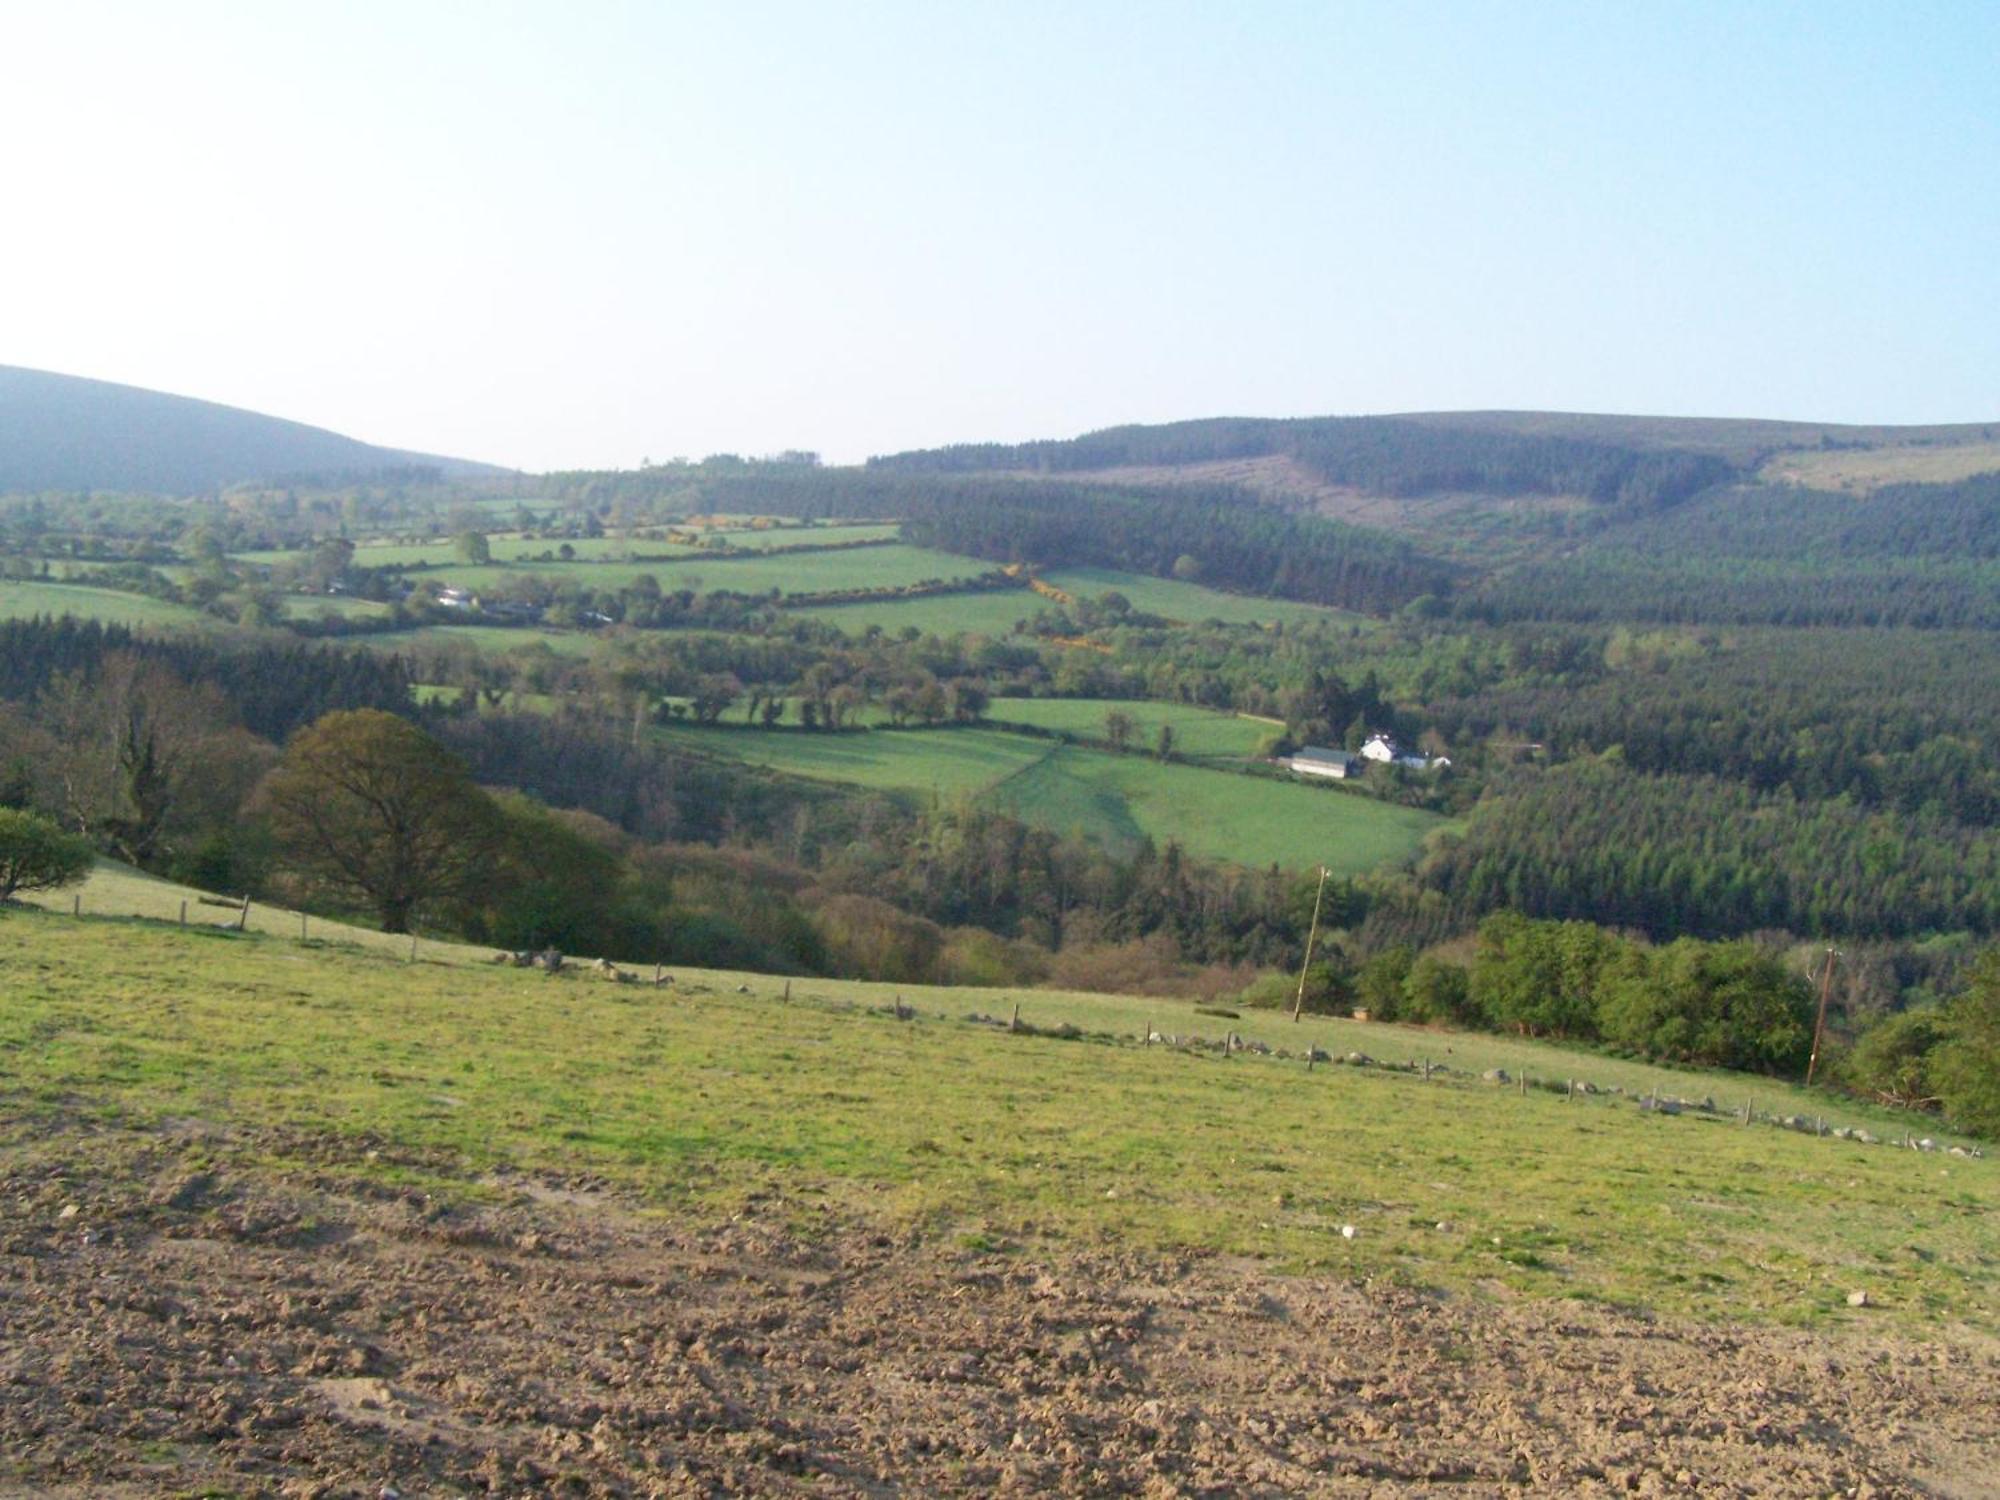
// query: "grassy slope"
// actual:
[[115, 890], [702, 1099], [1115, 799], [22, 600], [1870, 468], [1200, 733], [945, 761], [1250, 820]]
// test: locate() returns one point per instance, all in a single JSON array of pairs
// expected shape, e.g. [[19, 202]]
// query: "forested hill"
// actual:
[[61, 432], [1380, 455], [1638, 462]]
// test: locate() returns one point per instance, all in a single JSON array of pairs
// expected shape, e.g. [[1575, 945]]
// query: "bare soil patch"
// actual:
[[171, 1323]]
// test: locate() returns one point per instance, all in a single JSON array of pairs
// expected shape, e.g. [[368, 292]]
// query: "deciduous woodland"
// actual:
[[1023, 715]]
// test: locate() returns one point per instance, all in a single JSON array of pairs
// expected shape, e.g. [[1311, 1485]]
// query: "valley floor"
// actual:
[[178, 1320]]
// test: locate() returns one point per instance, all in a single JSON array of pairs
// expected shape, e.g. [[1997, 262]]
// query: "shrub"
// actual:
[[1436, 993], [1966, 1067], [1728, 1005], [1892, 1061], [35, 855], [1379, 984]]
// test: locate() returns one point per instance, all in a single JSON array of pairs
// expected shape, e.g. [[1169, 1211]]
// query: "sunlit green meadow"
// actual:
[[698, 1096]]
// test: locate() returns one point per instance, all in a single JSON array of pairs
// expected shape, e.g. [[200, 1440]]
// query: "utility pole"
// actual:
[[1819, 1026], [1299, 1000]]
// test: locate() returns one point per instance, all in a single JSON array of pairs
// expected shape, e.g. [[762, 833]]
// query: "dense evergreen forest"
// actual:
[[1894, 718], [1920, 555], [1692, 854]]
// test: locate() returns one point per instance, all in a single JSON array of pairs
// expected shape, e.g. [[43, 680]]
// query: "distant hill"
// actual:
[[1642, 460], [61, 432]]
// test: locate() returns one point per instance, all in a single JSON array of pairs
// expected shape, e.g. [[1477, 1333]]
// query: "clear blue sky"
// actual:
[[588, 233]]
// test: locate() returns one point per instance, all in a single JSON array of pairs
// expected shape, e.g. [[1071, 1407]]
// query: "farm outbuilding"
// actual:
[[1335, 765]]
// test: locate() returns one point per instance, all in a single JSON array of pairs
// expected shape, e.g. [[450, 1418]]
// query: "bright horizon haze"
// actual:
[[585, 235]]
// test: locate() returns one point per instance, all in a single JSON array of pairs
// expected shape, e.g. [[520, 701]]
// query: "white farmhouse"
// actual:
[[1380, 747], [1383, 747]]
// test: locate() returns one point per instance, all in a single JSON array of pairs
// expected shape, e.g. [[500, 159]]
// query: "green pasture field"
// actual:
[[800, 536], [443, 549], [699, 1099], [1199, 733], [998, 612], [29, 599], [1115, 800], [991, 612], [802, 573], [944, 761], [314, 606], [1190, 603], [120, 892]]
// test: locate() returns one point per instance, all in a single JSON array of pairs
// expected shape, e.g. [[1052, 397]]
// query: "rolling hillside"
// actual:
[[61, 432]]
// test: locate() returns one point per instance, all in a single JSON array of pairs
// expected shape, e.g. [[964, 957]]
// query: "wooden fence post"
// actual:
[[184, 913]]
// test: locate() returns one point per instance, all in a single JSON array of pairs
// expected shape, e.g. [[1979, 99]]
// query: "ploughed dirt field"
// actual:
[[171, 1326]]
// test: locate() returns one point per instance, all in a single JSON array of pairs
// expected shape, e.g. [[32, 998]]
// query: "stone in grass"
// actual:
[[1860, 1299], [1347, 1231]]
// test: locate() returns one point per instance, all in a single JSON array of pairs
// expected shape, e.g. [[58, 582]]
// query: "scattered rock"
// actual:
[[1859, 1299]]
